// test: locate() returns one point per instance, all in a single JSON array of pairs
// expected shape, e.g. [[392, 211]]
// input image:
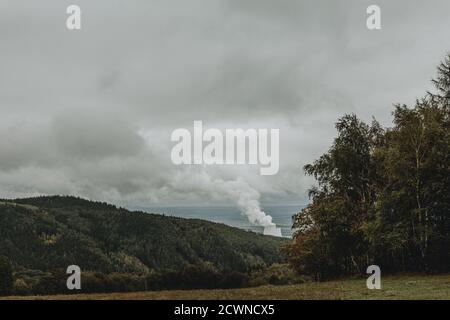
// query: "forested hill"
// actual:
[[51, 233]]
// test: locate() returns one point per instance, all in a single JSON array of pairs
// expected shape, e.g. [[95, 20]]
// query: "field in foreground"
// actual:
[[393, 287]]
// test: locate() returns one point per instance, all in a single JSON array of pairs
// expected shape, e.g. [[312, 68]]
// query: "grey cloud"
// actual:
[[90, 112], [23, 144], [88, 134]]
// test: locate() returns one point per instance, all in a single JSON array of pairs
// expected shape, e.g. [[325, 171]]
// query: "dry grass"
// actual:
[[393, 287]]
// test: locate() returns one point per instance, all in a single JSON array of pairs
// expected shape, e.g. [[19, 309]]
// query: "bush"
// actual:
[[51, 284], [22, 288], [234, 279], [277, 274], [6, 276]]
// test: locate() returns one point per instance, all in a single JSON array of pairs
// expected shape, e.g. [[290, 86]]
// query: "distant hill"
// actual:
[[50, 233]]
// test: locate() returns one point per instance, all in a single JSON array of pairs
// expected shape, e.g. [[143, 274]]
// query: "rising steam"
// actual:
[[247, 200], [240, 192]]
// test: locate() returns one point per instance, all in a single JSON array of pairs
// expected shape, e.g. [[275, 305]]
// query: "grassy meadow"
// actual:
[[409, 287]]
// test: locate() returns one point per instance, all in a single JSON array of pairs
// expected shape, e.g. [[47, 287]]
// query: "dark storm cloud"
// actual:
[[91, 112]]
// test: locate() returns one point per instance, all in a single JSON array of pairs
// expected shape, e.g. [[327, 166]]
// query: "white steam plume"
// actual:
[[247, 200], [240, 192]]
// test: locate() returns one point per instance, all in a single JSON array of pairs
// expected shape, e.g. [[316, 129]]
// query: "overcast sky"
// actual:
[[90, 112]]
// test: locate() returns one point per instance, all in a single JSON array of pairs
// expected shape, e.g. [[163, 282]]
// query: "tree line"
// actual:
[[382, 195], [203, 276]]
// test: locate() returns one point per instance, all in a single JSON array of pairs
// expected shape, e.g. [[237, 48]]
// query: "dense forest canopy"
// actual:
[[119, 250], [383, 194], [53, 232]]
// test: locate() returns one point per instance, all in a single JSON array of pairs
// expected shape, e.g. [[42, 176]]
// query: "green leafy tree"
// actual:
[[329, 239], [383, 195], [414, 196]]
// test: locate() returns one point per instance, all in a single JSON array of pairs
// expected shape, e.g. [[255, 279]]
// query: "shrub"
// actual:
[[6, 276]]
